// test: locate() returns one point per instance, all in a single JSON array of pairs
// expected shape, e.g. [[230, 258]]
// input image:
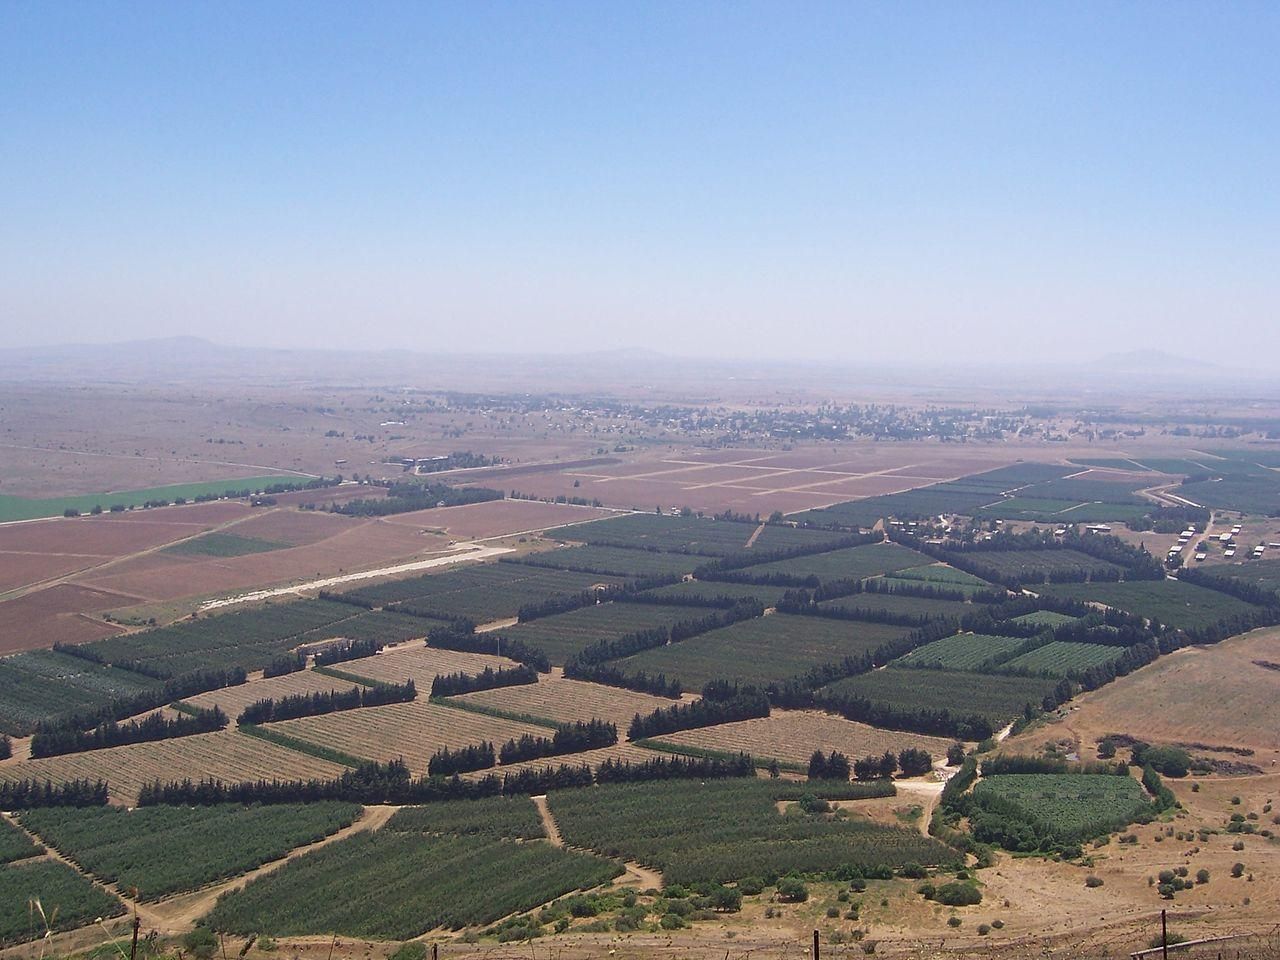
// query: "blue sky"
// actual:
[[737, 179]]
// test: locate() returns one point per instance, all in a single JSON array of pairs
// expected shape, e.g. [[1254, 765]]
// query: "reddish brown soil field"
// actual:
[[294, 527], [20, 569], [108, 537], [478, 521], [53, 615]]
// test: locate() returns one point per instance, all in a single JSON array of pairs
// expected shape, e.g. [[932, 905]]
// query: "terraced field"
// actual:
[[565, 634], [412, 731], [791, 736], [565, 701], [225, 755], [764, 650]]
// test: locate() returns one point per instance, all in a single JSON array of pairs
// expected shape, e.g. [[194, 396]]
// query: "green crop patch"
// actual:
[[964, 651], [612, 561], [22, 508], [1067, 807], [1171, 602], [223, 545], [164, 850], [1264, 574], [44, 685], [68, 900], [1052, 564], [407, 878], [563, 635], [726, 830], [1061, 658], [247, 638], [764, 650], [481, 593], [15, 845], [851, 563]]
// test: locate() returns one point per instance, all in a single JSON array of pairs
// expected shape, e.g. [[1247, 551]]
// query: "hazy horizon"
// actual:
[[822, 183]]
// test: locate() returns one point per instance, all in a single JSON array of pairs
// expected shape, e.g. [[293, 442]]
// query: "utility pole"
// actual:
[[815, 945], [1164, 934]]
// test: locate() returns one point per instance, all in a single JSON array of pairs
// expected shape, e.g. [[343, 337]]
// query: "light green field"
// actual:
[[24, 508]]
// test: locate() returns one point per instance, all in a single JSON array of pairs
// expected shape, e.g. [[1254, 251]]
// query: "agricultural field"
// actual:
[[1060, 658], [563, 635], [480, 593], [963, 651], [380, 626], [762, 651], [566, 701], [227, 755], [1044, 618], [696, 535], [233, 700], [851, 563], [15, 845], [941, 498], [223, 545], [43, 685], [413, 875], [791, 736], [999, 699], [409, 731], [419, 663], [165, 850], [1171, 602], [1071, 806], [711, 589], [1051, 563], [247, 638], [729, 829], [68, 900], [899, 605], [1260, 573], [613, 561], [23, 508]]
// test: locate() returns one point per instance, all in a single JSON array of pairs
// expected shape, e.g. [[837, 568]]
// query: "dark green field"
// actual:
[[997, 698], [68, 900], [484, 592], [411, 877], [163, 850], [565, 634], [730, 829], [43, 685], [1171, 602], [900, 604], [851, 563], [613, 561]]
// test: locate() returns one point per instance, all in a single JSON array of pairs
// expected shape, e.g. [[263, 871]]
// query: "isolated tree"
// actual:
[[955, 755]]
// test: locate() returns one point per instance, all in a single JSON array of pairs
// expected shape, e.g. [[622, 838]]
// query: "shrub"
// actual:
[[751, 886], [1091, 881], [983, 929], [953, 921], [1237, 869], [792, 890], [957, 894], [410, 951], [998, 924], [671, 921], [833, 913], [1202, 875]]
